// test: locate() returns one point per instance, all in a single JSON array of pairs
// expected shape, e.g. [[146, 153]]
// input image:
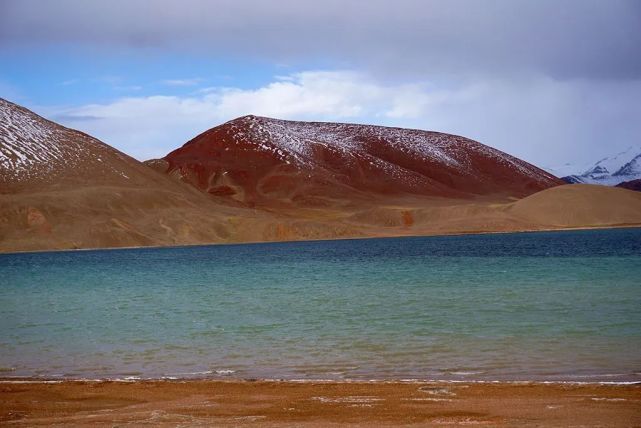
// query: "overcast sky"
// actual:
[[552, 82]]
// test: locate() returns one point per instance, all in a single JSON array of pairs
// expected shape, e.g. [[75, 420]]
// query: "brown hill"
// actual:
[[580, 205], [276, 163]]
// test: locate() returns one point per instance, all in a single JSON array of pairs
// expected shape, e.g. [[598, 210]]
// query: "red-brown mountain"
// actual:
[[260, 161]]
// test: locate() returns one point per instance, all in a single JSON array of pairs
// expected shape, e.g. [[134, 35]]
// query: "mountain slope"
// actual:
[[269, 162], [37, 154]]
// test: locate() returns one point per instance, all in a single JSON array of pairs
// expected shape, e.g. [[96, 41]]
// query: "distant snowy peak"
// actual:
[[630, 169], [612, 170], [612, 164], [562, 169]]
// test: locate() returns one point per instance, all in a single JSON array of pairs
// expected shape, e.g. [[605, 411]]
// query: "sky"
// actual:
[[554, 82]]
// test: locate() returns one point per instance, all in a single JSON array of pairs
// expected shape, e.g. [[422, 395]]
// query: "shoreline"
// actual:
[[222, 379], [443, 234], [316, 403]]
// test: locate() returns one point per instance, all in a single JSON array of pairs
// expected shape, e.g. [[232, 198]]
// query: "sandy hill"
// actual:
[[273, 163], [580, 205], [562, 207]]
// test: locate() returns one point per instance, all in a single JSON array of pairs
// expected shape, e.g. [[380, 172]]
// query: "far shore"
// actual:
[[381, 236], [85, 218], [315, 404]]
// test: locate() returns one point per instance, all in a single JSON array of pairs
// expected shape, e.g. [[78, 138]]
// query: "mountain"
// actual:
[[263, 162], [258, 179], [612, 170], [37, 155]]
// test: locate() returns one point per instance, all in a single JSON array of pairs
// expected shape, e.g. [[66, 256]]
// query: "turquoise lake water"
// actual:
[[522, 306]]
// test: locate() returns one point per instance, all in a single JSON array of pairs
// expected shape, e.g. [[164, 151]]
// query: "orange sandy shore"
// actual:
[[282, 403]]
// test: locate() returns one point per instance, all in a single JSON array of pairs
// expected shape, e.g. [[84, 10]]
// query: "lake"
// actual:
[[520, 306]]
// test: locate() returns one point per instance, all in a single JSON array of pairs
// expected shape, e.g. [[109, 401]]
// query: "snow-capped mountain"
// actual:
[[257, 160], [611, 170]]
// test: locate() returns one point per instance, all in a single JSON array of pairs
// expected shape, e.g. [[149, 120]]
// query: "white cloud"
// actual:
[[544, 121], [151, 126], [182, 82], [128, 88], [311, 95]]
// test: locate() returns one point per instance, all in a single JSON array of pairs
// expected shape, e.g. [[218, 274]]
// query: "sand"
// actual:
[[262, 403], [580, 204]]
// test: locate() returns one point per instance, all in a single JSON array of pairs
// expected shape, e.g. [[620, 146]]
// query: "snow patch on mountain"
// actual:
[[34, 149], [25, 142], [630, 169], [36, 153], [295, 142]]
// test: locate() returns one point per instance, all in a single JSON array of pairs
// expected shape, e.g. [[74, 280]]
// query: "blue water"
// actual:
[[523, 306]]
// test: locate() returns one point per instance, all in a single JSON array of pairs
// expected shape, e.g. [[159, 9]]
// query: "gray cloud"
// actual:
[[551, 81], [560, 38]]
